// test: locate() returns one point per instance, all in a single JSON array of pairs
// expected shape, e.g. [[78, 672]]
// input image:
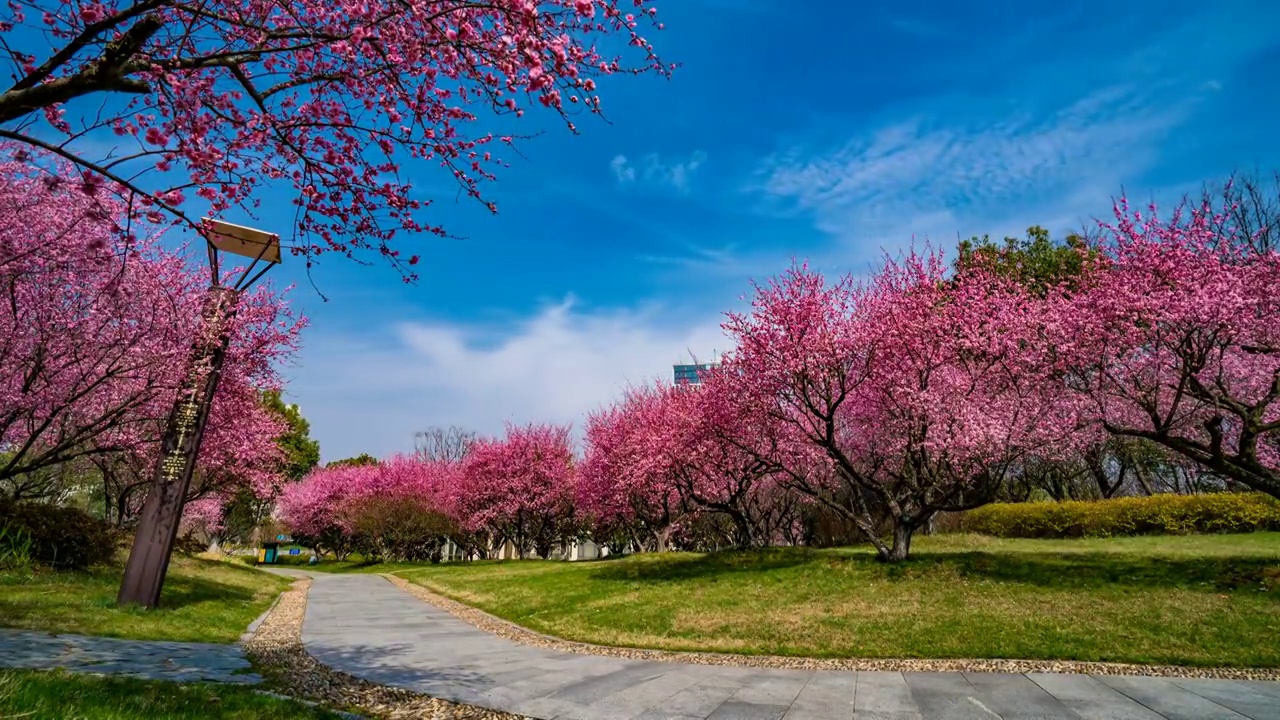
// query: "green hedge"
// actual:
[[1155, 515], [60, 537]]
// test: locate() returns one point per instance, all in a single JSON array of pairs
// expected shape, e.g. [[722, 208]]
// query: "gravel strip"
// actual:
[[276, 649], [504, 629]]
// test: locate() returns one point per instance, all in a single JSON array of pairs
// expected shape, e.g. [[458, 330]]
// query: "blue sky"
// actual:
[[822, 131]]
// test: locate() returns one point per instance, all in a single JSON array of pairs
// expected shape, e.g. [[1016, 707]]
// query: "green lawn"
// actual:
[[203, 601], [42, 695], [1199, 600]]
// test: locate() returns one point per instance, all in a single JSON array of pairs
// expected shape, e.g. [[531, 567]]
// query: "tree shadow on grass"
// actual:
[[1081, 570], [681, 566], [192, 607], [183, 590]]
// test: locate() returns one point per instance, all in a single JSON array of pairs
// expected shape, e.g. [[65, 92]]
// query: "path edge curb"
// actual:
[[508, 630]]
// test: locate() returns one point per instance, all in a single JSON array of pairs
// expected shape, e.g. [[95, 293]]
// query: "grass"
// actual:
[[43, 695], [1194, 600], [202, 601]]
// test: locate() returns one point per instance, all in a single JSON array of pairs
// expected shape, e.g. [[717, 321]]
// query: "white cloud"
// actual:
[[622, 169], [554, 366], [919, 176], [962, 165], [652, 169]]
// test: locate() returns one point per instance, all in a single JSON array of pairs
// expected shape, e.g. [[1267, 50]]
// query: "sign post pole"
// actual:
[[179, 448], [180, 445]]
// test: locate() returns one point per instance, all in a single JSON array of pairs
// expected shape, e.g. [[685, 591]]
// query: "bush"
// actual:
[[398, 529], [15, 549], [189, 544], [1155, 515], [60, 537]]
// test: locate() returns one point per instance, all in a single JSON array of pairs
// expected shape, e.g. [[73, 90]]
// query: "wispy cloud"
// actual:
[[554, 366], [1050, 146], [653, 169], [924, 176]]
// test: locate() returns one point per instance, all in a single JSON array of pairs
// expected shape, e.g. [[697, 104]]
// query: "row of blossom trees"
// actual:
[[518, 489], [213, 103], [96, 326], [878, 404]]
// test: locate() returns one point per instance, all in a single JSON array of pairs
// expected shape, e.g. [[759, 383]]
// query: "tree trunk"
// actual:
[[543, 548], [901, 542], [742, 530], [633, 537], [661, 538], [1143, 482]]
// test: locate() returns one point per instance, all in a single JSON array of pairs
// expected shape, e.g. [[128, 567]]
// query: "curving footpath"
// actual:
[[365, 626]]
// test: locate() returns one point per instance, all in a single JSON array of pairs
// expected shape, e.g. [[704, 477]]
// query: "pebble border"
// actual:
[[516, 633], [276, 650]]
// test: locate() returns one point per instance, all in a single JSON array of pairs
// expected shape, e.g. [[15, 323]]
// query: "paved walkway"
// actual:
[[365, 626], [154, 660]]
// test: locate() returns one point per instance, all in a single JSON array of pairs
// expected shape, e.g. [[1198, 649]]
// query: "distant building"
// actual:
[[690, 374]]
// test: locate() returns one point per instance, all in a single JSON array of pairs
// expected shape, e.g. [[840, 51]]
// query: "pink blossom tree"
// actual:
[[898, 397], [94, 343], [204, 515], [224, 99], [310, 507], [1175, 338], [521, 487], [668, 451], [86, 340], [714, 455], [401, 508], [619, 486]]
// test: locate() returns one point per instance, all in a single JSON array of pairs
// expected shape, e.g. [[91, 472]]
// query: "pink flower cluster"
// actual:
[[881, 403], [326, 99], [517, 488], [922, 390], [95, 336]]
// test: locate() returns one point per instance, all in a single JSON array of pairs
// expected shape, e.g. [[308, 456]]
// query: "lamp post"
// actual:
[[180, 444]]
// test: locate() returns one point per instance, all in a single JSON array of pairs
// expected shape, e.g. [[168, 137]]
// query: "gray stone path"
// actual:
[[154, 660], [365, 626]]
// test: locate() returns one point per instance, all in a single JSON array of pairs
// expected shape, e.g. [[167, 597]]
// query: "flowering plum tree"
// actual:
[[310, 507], [618, 484], [714, 454], [401, 508], [905, 388], [93, 343], [1175, 339], [520, 488], [225, 98], [86, 341], [667, 451]]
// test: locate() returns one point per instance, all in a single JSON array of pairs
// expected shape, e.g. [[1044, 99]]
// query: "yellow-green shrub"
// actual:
[[1155, 515]]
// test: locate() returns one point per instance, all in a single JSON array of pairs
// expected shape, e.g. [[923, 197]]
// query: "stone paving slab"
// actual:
[[365, 626], [152, 660]]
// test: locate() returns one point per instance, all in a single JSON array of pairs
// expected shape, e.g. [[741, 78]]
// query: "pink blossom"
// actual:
[[247, 94]]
